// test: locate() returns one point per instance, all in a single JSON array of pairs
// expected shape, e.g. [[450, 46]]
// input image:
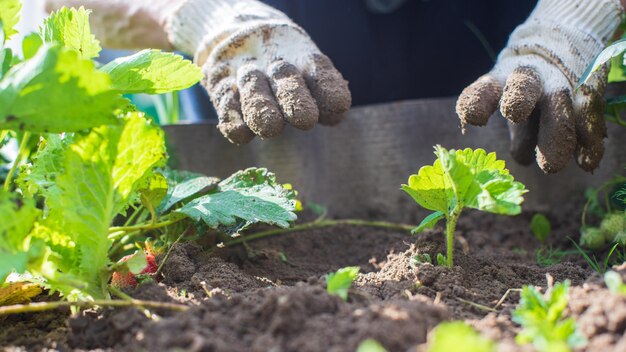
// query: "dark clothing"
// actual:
[[420, 49], [425, 48]]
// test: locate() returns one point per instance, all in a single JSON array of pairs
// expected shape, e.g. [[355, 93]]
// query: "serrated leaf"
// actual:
[[248, 197], [466, 178], [103, 171], [56, 91], [9, 17], [17, 217], [40, 175], [152, 72], [70, 28], [184, 185], [429, 222], [339, 282], [18, 293]]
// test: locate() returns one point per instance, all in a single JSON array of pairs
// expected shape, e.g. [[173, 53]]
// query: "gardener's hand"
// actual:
[[534, 84], [261, 69]]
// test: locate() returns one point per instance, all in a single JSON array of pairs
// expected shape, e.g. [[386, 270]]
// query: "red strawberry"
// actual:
[[128, 279]]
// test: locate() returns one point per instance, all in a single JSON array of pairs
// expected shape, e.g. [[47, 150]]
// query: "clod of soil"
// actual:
[[276, 299]]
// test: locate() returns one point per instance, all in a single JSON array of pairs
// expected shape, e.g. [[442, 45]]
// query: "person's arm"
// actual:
[[262, 70], [534, 84]]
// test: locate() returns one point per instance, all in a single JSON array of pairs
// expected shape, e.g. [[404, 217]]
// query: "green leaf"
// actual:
[[540, 227], [31, 44], [17, 217], [429, 222], [617, 72], [152, 72], [183, 185], [339, 282], [247, 197], [56, 91], [9, 17], [39, 177], [450, 336], [612, 51], [102, 173], [542, 320], [154, 193], [70, 28], [466, 178], [370, 345], [613, 281], [137, 262], [6, 59]]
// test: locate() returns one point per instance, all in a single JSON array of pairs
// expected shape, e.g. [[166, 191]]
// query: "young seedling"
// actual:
[[542, 320], [339, 282], [457, 336], [614, 282], [540, 227], [370, 345], [462, 179]]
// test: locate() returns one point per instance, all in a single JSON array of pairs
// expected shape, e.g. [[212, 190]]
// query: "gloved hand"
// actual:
[[534, 84], [261, 69]]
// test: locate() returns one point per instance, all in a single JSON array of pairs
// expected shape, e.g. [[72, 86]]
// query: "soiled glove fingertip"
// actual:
[[557, 134], [588, 158], [295, 100], [329, 89], [522, 91], [479, 101], [236, 133]]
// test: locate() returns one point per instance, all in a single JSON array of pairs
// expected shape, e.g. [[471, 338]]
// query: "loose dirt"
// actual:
[[275, 300]]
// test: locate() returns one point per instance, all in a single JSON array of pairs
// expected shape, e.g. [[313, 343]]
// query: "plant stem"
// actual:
[[45, 306], [169, 250], [144, 227], [322, 224], [450, 227], [21, 155]]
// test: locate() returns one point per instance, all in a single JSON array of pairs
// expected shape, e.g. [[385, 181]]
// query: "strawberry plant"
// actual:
[[339, 282], [542, 321], [462, 179], [95, 159]]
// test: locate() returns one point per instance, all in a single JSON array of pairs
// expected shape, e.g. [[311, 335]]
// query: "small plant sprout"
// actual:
[[339, 282], [462, 179], [613, 281], [542, 321], [370, 345], [457, 336], [540, 227]]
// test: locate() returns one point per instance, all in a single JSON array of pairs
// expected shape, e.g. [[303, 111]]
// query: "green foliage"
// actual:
[[152, 72], [70, 28], [540, 227], [245, 198], [339, 282], [9, 17], [17, 217], [458, 336], [57, 91], [547, 256], [542, 320], [370, 345], [182, 185], [95, 157], [463, 179], [614, 282]]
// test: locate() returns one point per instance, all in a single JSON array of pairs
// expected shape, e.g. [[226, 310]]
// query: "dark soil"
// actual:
[[276, 299]]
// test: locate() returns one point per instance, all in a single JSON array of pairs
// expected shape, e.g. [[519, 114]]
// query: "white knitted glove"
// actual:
[[261, 69], [534, 81]]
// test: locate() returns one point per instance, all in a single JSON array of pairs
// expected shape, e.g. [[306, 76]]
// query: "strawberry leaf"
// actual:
[[70, 28], [246, 198], [9, 17], [429, 222], [152, 72]]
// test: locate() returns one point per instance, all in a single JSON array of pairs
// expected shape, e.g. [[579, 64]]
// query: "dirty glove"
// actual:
[[261, 69], [534, 81]]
